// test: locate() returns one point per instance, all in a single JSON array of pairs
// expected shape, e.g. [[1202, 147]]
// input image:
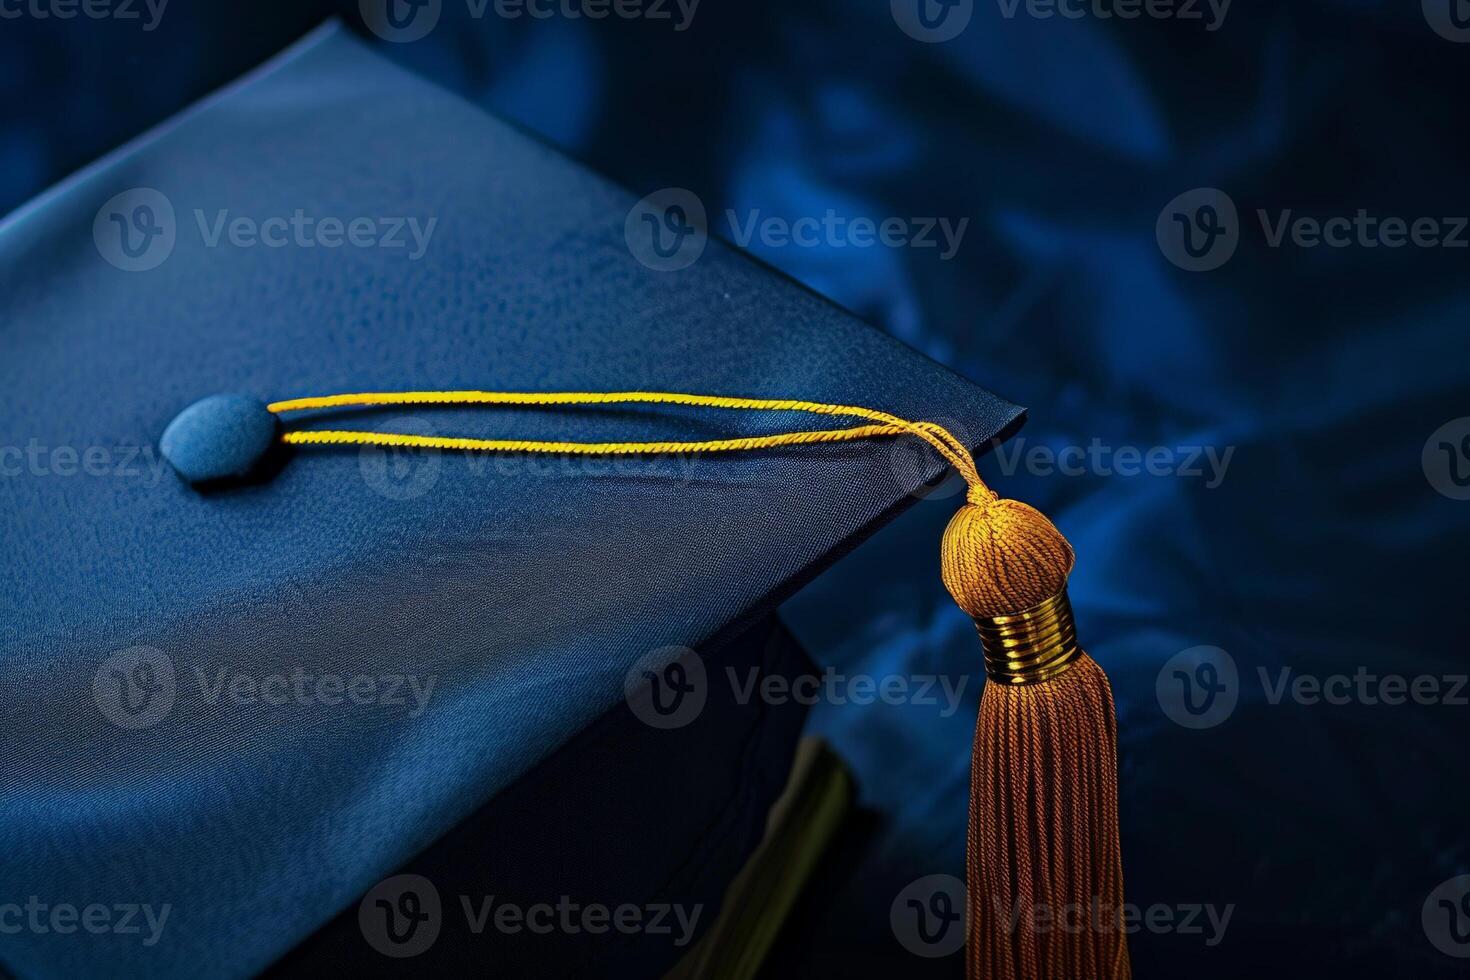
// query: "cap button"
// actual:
[[221, 437]]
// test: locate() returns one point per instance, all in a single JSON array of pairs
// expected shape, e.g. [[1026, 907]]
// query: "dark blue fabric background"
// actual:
[[1325, 548]]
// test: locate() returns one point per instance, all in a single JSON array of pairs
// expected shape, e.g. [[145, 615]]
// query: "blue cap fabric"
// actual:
[[176, 667]]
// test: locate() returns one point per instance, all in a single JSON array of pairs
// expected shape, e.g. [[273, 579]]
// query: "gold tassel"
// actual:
[[1044, 870]]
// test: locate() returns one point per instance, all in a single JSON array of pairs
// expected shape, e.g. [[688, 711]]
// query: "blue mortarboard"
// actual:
[[181, 583]]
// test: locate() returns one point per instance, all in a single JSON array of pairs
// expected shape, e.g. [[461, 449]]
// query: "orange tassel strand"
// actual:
[[1044, 870]]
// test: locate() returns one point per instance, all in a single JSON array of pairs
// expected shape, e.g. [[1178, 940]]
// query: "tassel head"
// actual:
[[1001, 557]]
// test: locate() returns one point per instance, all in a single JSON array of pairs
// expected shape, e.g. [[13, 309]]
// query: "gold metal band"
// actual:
[[1030, 646]]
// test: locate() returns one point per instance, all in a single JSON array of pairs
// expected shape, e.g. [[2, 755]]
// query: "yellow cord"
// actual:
[[885, 425]]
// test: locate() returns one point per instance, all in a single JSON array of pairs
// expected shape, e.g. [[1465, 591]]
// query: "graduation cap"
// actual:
[[613, 458]]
